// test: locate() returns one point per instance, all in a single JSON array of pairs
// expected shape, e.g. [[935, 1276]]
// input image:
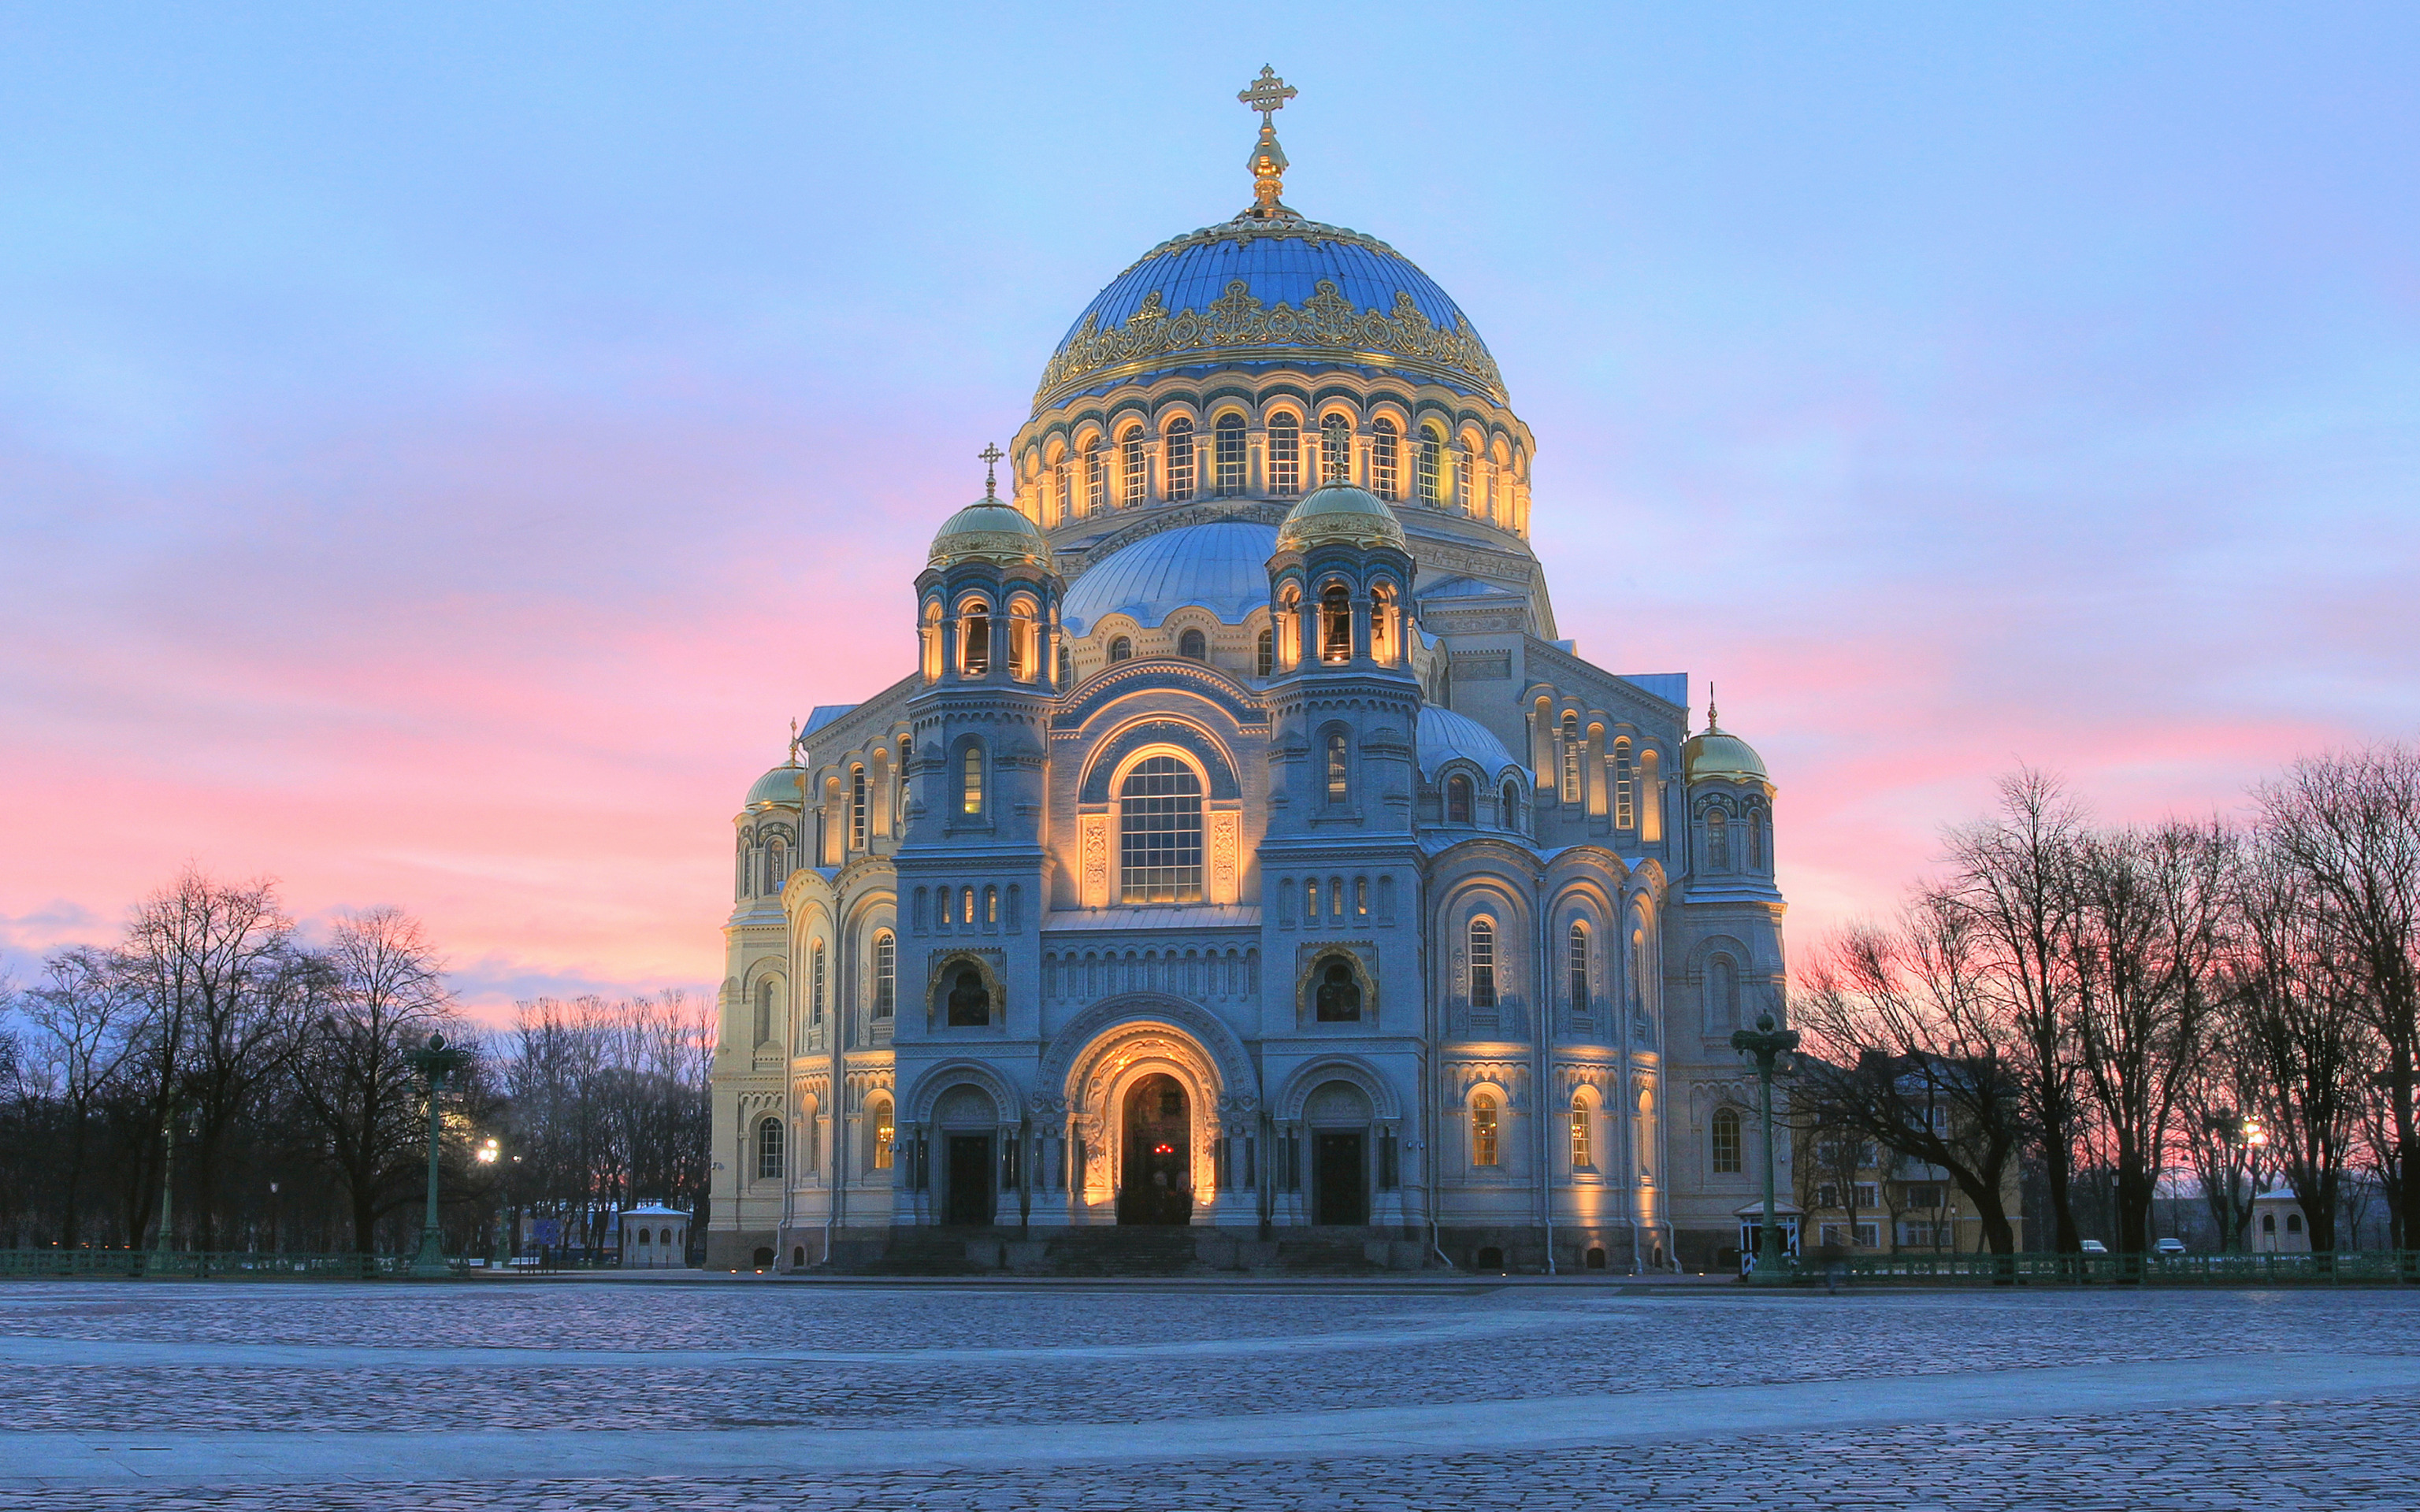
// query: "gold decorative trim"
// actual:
[[1237, 324]]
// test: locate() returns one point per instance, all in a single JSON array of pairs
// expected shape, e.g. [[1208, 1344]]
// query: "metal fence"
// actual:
[[2340, 1267], [203, 1265]]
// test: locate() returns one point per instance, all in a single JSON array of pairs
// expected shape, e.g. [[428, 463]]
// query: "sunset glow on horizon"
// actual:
[[440, 452]]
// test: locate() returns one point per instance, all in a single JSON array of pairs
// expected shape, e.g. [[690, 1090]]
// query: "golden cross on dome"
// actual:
[[990, 456], [793, 744], [1268, 94]]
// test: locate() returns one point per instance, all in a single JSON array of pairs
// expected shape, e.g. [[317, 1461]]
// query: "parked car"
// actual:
[[2094, 1247], [2169, 1246]]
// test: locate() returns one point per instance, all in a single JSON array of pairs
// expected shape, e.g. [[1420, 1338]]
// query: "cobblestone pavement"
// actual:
[[173, 1368]]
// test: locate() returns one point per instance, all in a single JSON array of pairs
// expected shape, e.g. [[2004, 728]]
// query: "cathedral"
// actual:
[[1244, 863]]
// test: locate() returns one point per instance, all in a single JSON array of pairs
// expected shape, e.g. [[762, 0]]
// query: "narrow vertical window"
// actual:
[[967, 904], [974, 632], [1483, 1129], [1020, 642], [1571, 757], [992, 905], [815, 985], [1337, 783], [1180, 459], [1583, 1156], [1382, 618], [1579, 966], [1361, 897], [1718, 841], [1311, 901], [1457, 800], [1625, 787], [1722, 995], [1428, 467], [1335, 624], [1096, 480], [1483, 963], [886, 974], [1336, 896], [857, 809], [1726, 1142], [1285, 455], [1192, 646], [1264, 654], [1065, 478], [1121, 649], [765, 1012], [1134, 471], [1754, 823], [777, 866], [1067, 665], [1335, 450], [885, 1134], [1511, 813], [1384, 460], [971, 786], [1230, 439], [769, 1148]]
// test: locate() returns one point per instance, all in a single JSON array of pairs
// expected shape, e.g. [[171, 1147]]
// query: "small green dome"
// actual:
[[1339, 512], [989, 531], [780, 785], [1717, 755]]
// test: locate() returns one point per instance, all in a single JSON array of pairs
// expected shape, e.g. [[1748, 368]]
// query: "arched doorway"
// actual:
[[1338, 1114], [1157, 1185]]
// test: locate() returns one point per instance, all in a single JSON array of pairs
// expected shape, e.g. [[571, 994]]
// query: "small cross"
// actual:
[[990, 456], [1268, 94]]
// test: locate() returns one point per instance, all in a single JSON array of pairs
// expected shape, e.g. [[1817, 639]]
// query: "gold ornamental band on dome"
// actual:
[[1238, 326]]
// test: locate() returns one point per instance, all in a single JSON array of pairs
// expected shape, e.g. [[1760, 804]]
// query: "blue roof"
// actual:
[[1446, 736], [1221, 566], [1277, 269]]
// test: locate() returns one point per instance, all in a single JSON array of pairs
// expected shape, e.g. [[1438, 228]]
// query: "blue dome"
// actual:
[[1446, 736], [1309, 291], [1222, 566]]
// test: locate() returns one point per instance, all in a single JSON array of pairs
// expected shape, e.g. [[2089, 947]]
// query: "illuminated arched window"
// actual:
[[1428, 467], [1339, 782], [1064, 476], [1625, 787], [769, 1148], [1229, 436], [1159, 833], [1483, 963], [1583, 1152], [1067, 665], [1134, 473], [1180, 459], [1335, 450], [1728, 1156], [1121, 649], [1382, 624], [1511, 813], [967, 904], [1264, 654], [1192, 647], [1578, 963], [1571, 757], [816, 984], [857, 809], [886, 974], [1457, 800], [1096, 480], [1385, 461], [1483, 1129], [970, 781], [777, 865], [880, 1132], [974, 639], [1335, 624], [1285, 455]]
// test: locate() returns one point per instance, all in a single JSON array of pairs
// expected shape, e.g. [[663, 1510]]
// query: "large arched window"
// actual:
[[1625, 787], [1578, 963], [1159, 833], [974, 639], [1121, 649], [1340, 783], [1285, 455], [886, 974], [968, 1002], [1718, 841], [1722, 995], [1229, 438], [1729, 1157], [970, 781], [1571, 757], [857, 809], [1482, 963], [1583, 1146], [1483, 1129], [1457, 800], [769, 1148], [1134, 473], [1335, 997], [1335, 624], [1264, 654], [1428, 467], [1179, 433], [1335, 450], [1385, 461], [1192, 646]]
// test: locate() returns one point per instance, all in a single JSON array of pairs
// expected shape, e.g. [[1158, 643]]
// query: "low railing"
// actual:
[[2343, 1267], [201, 1265]]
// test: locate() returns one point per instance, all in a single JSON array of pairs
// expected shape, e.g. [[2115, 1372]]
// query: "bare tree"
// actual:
[[86, 1018], [2350, 823]]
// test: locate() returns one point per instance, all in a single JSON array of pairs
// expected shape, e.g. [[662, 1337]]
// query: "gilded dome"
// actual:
[[1718, 755], [989, 531], [1340, 512], [780, 785]]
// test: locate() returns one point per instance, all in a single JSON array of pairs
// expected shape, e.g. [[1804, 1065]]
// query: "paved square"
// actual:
[[628, 1393]]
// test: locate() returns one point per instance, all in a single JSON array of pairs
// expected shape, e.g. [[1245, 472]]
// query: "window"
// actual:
[[1337, 787], [884, 1135], [1264, 654], [1229, 440], [1159, 833], [1121, 649], [1923, 1195], [941, 906], [1866, 1193], [1311, 901], [769, 1148], [1285, 455], [764, 1012], [975, 637], [1020, 639], [1728, 1155], [1180, 459], [1483, 963], [1096, 480], [2268, 1223], [1718, 841], [1722, 995], [1511, 810], [1134, 473], [1383, 460], [1381, 613], [1066, 480], [815, 983], [1457, 800], [886, 974], [970, 785], [1361, 897], [1755, 821], [1625, 787], [1335, 450], [1571, 757], [967, 904], [1428, 467], [1579, 966], [1336, 896], [2293, 1223], [857, 809], [1483, 1129], [1335, 624], [777, 866], [1192, 647], [1067, 665], [1923, 1234], [1843, 1236], [1337, 999], [992, 905], [1582, 1157], [968, 1001]]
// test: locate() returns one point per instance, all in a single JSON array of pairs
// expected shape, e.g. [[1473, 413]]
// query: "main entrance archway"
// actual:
[[1156, 1186]]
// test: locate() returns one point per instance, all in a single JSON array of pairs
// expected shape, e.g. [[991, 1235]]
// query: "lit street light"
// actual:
[[439, 1061], [1766, 1044]]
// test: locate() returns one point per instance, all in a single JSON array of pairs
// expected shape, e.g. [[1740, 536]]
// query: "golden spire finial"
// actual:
[[990, 456], [1713, 725], [793, 744], [1267, 94]]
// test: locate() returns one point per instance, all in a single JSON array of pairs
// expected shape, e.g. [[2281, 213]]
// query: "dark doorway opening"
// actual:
[[1595, 1258], [764, 1256], [1491, 1258], [1156, 1186], [1340, 1181], [970, 1180]]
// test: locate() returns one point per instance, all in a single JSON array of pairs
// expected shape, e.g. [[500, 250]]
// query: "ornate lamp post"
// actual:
[[489, 1154], [437, 1062], [1767, 1045]]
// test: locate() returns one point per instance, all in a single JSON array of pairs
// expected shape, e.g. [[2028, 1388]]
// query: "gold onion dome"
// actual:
[[1339, 513], [780, 785], [989, 531], [1712, 753]]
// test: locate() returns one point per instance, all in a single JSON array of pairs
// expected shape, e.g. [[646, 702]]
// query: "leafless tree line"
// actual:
[[2131, 1000], [263, 1080]]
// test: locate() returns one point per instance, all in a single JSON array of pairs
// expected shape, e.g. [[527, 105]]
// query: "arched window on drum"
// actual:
[[1159, 833], [1385, 476], [1179, 434]]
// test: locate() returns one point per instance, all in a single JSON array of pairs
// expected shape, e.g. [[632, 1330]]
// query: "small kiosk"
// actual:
[[655, 1237], [1751, 1230]]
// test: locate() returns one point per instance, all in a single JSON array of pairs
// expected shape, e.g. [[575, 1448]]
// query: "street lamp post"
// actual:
[[489, 1154], [437, 1062], [167, 1179], [1767, 1045]]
